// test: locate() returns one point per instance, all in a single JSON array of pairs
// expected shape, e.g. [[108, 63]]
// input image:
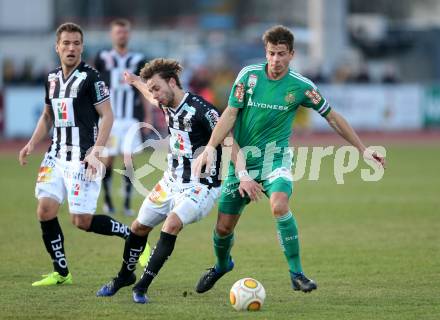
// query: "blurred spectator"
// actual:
[[363, 76], [316, 75], [10, 74], [27, 75], [200, 83], [222, 78], [342, 74], [389, 75]]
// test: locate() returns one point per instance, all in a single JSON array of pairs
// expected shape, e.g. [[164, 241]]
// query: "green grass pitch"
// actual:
[[372, 247]]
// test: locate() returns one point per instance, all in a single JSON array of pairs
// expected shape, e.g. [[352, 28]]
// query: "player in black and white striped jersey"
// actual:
[[75, 124], [179, 198], [76, 98], [128, 106]]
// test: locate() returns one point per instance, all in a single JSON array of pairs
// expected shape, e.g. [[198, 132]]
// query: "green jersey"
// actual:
[[267, 110]]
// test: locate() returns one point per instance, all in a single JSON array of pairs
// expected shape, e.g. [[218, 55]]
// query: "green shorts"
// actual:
[[231, 201]]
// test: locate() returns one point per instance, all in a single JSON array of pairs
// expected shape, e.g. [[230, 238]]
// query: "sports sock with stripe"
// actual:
[[288, 236]]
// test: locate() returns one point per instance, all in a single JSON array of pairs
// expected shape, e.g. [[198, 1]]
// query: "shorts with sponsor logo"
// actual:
[[58, 179], [231, 202], [125, 138], [190, 201]]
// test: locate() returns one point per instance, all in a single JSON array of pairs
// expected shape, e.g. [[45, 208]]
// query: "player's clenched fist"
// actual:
[[130, 78]]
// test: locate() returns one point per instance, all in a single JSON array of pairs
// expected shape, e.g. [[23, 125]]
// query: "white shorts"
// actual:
[[124, 138], [190, 201], [58, 178]]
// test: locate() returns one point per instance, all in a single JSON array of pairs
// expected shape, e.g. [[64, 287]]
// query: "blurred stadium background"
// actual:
[[382, 56], [373, 247]]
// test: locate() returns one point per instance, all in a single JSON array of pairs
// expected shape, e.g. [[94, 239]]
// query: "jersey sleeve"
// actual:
[[46, 93], [236, 97], [314, 100], [209, 118], [98, 89]]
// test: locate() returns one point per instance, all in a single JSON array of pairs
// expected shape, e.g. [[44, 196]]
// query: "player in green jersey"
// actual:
[[262, 105]]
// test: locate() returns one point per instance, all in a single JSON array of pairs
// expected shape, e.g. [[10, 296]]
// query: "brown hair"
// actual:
[[121, 22], [279, 35], [165, 68], [69, 27]]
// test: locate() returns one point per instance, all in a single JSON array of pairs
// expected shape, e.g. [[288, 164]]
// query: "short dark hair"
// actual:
[[165, 68], [279, 35], [69, 27], [121, 22]]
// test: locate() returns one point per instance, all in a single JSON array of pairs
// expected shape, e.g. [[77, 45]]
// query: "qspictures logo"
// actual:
[[275, 162]]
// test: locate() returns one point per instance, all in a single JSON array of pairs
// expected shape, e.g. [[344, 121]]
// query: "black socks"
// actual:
[[160, 254], [54, 241], [106, 225], [134, 246]]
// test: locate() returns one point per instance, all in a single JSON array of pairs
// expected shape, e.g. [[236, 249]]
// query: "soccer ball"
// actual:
[[247, 294]]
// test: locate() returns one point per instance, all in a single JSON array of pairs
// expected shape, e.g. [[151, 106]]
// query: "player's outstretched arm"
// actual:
[[343, 128], [221, 130], [223, 126], [137, 82], [44, 124]]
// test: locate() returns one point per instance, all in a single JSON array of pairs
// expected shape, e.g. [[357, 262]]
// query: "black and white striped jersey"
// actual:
[[72, 102], [126, 102], [190, 126]]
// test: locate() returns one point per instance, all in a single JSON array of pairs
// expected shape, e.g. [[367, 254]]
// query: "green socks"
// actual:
[[222, 249], [288, 236]]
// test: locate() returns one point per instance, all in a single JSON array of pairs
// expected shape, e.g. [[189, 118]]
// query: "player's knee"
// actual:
[[139, 229], [172, 225], [82, 222], [45, 213], [172, 228], [279, 208], [224, 229]]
